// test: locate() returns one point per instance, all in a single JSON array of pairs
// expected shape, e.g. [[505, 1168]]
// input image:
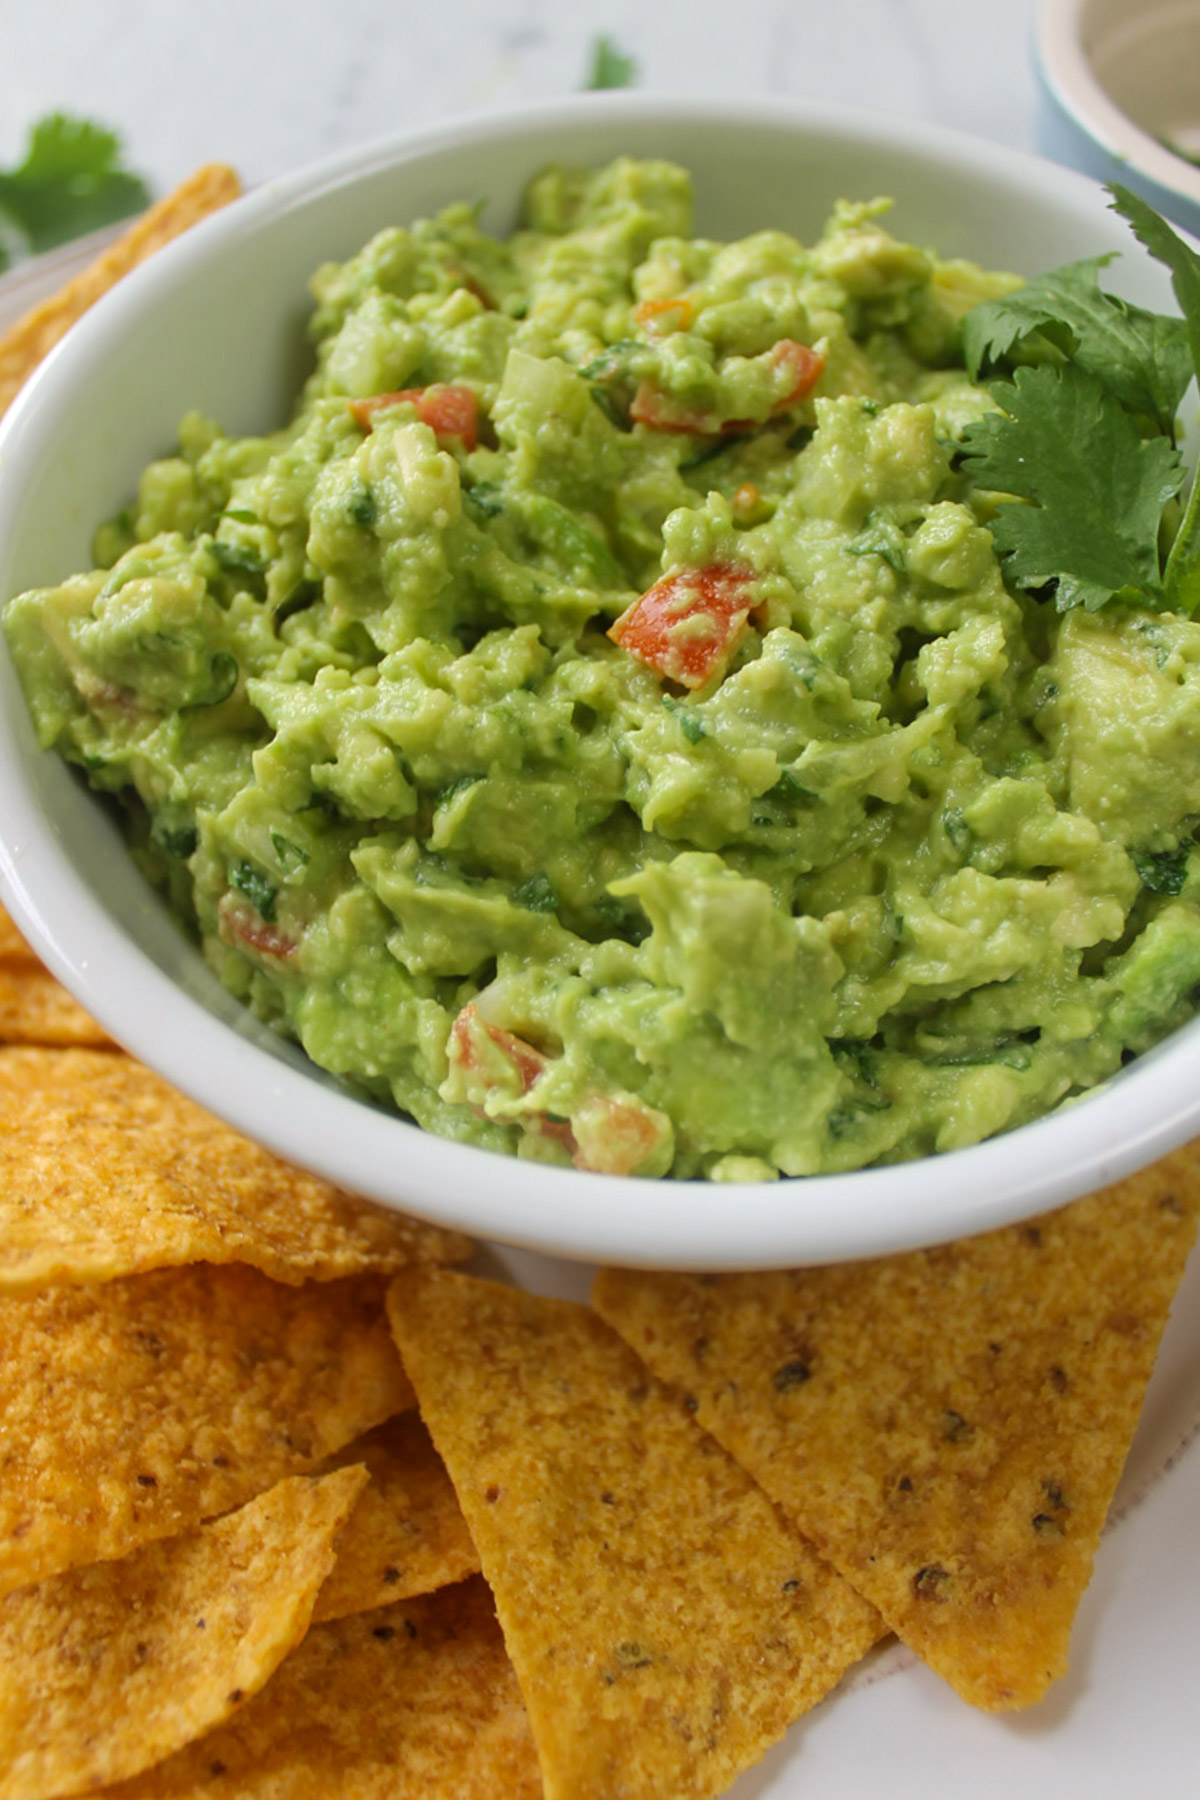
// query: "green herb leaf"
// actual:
[[223, 675], [1182, 575], [254, 885], [70, 182], [180, 841], [883, 538], [291, 856], [1162, 871], [611, 67], [362, 505], [237, 559], [536, 895], [1166, 246], [486, 498], [956, 828], [303, 595], [1141, 357], [689, 722], [454, 788], [1095, 487]]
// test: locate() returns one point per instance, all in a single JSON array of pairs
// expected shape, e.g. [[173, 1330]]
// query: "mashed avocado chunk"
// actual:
[[598, 725]]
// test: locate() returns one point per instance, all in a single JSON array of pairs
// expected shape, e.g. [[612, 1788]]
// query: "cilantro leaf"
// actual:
[[1162, 871], [1166, 246], [1095, 487], [1141, 357], [70, 182], [1182, 575], [536, 895], [611, 67], [254, 885]]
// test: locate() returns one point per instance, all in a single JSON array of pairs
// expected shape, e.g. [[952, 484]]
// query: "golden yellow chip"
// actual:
[[107, 1171], [34, 335], [407, 1534], [105, 1671], [37, 1009], [417, 1702], [947, 1426], [13, 947], [665, 1623], [134, 1410]]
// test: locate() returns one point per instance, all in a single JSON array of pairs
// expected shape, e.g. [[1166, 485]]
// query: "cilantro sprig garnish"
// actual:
[[70, 181], [1183, 563], [1096, 488], [611, 67], [1141, 357], [1087, 388]]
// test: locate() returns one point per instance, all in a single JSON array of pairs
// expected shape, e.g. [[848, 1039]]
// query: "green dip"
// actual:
[[840, 853]]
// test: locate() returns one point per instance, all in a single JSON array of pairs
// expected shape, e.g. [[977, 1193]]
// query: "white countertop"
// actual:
[[269, 85]]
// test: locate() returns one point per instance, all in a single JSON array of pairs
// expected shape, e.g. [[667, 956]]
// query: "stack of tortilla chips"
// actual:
[[232, 1562], [289, 1505]]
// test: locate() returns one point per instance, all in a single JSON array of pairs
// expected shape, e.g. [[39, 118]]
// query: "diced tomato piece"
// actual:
[[494, 1059], [612, 1134], [687, 625], [659, 412], [448, 408], [675, 314], [806, 367], [477, 288], [242, 927], [616, 1134], [452, 411], [651, 407], [471, 1037]]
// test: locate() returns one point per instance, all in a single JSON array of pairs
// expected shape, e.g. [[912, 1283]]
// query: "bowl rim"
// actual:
[[1068, 72], [1083, 1145]]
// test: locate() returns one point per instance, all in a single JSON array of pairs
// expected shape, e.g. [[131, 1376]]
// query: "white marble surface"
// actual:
[[272, 84]]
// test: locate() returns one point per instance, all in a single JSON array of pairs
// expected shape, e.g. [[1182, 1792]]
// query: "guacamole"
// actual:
[[598, 725]]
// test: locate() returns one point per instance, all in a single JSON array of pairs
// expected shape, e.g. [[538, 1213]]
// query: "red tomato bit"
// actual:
[[804, 365], [243, 929], [448, 408], [660, 412], [611, 1134], [688, 624], [673, 315]]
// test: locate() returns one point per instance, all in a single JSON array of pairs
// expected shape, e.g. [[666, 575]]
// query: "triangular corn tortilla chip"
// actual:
[[416, 1702], [37, 1009], [13, 947], [23, 345], [134, 1410], [105, 1671], [106, 1171], [947, 1426], [665, 1623], [407, 1535]]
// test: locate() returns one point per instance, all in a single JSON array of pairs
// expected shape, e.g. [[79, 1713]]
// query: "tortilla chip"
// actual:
[[34, 335], [947, 1426], [105, 1671], [135, 1410], [13, 947], [407, 1534], [665, 1623], [106, 1171], [37, 1009], [417, 1702]]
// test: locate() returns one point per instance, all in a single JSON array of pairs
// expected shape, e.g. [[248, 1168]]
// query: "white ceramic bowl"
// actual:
[[1120, 85], [215, 321]]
